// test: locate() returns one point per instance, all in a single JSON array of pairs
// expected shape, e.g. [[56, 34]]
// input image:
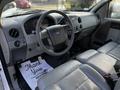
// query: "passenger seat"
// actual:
[[1, 85], [112, 49]]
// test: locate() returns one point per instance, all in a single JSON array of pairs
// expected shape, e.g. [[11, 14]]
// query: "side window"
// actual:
[[115, 9]]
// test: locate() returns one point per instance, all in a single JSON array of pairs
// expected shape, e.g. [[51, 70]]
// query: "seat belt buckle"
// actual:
[[107, 75], [113, 77]]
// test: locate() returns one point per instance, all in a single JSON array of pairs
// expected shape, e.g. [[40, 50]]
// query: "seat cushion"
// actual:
[[112, 49], [103, 63], [117, 86], [73, 76], [84, 57], [1, 85]]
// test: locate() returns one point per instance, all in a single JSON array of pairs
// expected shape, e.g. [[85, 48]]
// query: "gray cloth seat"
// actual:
[[103, 63], [117, 86], [73, 76], [112, 49], [1, 85]]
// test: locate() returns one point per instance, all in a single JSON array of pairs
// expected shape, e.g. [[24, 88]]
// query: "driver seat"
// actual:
[[73, 76]]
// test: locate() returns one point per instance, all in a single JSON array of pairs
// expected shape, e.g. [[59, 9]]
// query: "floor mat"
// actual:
[[32, 71]]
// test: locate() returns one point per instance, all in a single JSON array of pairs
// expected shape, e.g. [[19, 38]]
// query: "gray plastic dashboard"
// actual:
[[18, 46], [83, 21]]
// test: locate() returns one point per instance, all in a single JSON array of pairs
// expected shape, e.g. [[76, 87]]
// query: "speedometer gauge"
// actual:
[[30, 25]]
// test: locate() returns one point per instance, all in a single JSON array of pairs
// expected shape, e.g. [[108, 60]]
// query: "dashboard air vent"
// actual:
[[79, 20], [14, 33]]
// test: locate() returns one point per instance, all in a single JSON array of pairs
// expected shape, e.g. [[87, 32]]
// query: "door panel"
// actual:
[[108, 31], [99, 37], [114, 32]]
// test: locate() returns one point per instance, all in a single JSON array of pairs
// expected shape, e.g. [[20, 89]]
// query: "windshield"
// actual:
[[18, 7]]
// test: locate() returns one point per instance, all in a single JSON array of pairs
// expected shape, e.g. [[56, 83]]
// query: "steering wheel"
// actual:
[[57, 39]]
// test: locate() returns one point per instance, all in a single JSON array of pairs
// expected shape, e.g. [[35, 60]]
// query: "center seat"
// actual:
[[103, 63]]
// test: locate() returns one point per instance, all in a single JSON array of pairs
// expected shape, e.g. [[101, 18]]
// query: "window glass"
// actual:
[[64, 4], [22, 6], [115, 9]]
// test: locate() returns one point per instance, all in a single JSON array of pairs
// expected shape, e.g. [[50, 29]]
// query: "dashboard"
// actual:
[[19, 41]]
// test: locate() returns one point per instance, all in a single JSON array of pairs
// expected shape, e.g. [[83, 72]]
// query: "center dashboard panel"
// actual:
[[82, 21], [19, 33]]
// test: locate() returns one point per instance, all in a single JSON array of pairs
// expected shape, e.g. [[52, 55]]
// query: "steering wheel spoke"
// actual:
[[68, 30], [50, 44], [44, 34], [67, 27]]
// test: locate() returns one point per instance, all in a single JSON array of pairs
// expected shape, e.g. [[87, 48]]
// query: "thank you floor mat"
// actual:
[[32, 71]]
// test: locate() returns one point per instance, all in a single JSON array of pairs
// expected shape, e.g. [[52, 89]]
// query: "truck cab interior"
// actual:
[[60, 45]]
